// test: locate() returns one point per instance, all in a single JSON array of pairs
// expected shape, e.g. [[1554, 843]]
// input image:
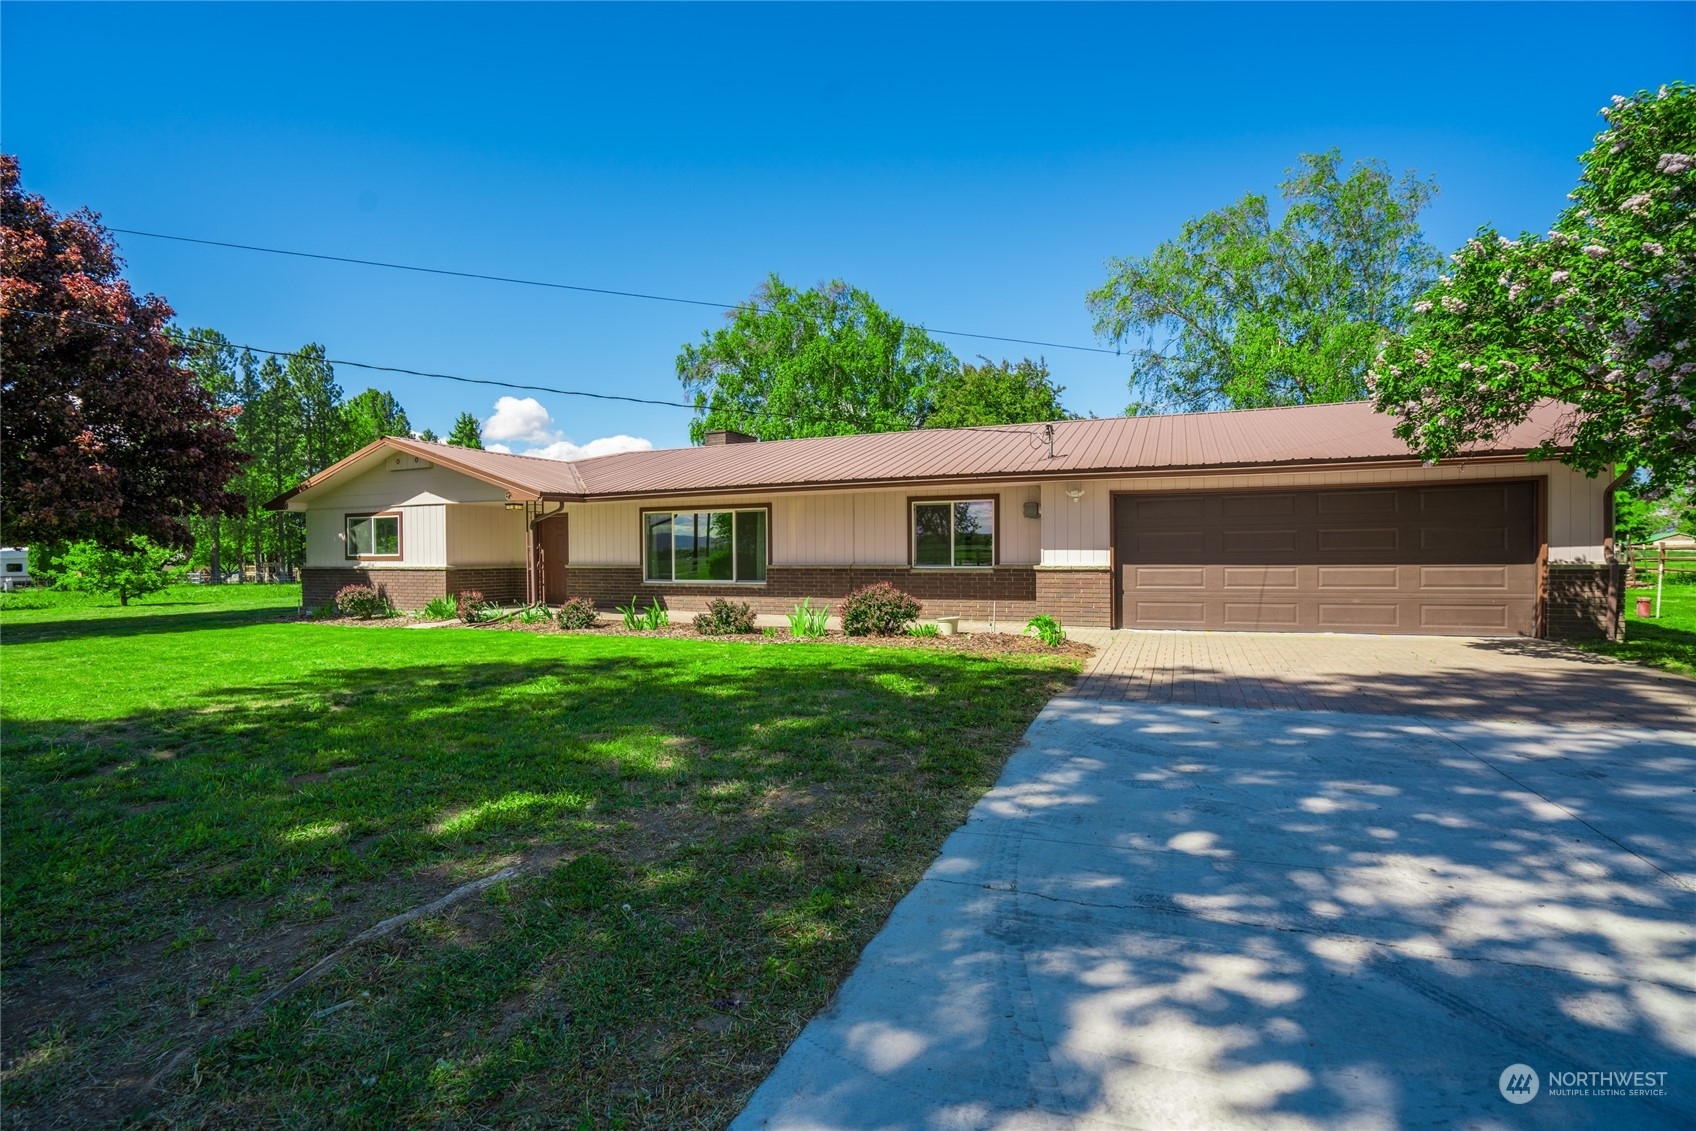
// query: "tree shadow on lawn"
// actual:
[[1170, 916], [758, 814], [142, 622]]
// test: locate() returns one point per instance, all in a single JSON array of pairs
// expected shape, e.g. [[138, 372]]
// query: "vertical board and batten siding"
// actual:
[[1079, 534], [420, 495], [423, 536], [824, 528], [485, 534]]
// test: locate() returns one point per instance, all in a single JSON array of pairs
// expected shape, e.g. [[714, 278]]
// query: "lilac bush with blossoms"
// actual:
[[1599, 314]]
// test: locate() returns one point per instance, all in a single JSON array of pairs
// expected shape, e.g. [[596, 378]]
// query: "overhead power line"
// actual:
[[793, 418], [582, 289]]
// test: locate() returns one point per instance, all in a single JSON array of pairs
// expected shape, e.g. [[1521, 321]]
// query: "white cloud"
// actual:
[[525, 421], [605, 446]]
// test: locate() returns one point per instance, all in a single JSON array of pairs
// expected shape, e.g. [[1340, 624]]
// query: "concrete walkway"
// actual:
[[1175, 912]]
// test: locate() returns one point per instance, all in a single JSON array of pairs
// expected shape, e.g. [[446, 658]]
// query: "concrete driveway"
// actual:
[[1194, 900]]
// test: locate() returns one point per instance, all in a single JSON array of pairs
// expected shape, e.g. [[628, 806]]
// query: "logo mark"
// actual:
[[1519, 1083]]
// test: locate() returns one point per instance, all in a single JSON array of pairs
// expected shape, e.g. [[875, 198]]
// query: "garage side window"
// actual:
[[373, 536], [956, 534], [704, 545]]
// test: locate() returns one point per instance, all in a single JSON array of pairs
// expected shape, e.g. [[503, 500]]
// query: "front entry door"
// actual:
[[551, 541]]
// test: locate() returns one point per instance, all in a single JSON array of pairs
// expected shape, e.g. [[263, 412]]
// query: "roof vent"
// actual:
[[727, 436]]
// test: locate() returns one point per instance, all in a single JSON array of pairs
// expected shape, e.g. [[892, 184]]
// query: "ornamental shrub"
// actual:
[[878, 609], [725, 618], [578, 612], [361, 601], [470, 606]]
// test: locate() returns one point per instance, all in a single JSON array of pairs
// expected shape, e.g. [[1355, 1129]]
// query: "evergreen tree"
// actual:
[[467, 433]]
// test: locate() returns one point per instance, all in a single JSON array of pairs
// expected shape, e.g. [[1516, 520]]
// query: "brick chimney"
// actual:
[[727, 436]]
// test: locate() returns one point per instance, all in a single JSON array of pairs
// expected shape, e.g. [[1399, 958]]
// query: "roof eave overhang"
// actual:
[[515, 491], [1285, 467]]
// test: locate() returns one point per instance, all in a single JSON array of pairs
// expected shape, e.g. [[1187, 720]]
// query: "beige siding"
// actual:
[[423, 535], [485, 534], [810, 528], [380, 488]]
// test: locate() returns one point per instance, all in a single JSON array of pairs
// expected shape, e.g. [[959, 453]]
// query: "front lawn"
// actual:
[[202, 800], [1667, 642]]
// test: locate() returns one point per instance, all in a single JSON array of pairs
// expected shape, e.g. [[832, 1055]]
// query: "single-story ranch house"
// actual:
[[1293, 519]]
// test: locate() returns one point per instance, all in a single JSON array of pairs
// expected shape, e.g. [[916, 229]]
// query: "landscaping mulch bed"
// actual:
[[987, 643]]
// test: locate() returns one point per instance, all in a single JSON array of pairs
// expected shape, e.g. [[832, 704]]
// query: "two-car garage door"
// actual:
[[1437, 559]]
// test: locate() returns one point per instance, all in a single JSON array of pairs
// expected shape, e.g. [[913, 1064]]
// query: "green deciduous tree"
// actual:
[[134, 568], [822, 362], [467, 433], [1599, 314], [1239, 313], [1000, 392]]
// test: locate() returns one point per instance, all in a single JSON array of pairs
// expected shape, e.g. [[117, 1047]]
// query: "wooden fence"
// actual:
[[1652, 562]]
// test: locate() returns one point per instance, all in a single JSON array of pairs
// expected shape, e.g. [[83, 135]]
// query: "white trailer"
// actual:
[[14, 568]]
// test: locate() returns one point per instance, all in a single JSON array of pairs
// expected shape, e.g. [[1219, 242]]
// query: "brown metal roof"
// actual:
[[1285, 437], [1275, 437]]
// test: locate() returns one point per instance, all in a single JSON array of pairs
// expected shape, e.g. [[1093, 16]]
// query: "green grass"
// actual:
[[201, 802], [1667, 642]]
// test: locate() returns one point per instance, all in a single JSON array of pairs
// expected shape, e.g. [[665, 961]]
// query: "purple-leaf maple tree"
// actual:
[[104, 432]]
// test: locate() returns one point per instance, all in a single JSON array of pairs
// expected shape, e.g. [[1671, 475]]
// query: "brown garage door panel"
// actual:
[[1261, 577], [1336, 615], [1171, 577], [1358, 503], [1172, 614], [1456, 617], [1463, 577], [1428, 559], [1263, 615], [1360, 577]]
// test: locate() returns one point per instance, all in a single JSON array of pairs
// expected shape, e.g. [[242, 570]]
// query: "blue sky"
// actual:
[[970, 166]]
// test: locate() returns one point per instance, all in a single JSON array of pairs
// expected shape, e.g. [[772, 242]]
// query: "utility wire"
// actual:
[[264, 351], [560, 286]]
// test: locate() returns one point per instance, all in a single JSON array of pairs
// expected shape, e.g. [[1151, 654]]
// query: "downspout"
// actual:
[[1616, 580]]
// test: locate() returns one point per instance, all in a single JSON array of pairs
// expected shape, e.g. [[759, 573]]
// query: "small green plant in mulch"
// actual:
[[577, 612], [638, 619], [532, 614], [362, 601], [924, 631], [725, 618], [440, 608], [808, 620], [1046, 629], [879, 609]]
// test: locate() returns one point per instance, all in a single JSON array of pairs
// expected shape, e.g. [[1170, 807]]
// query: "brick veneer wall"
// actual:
[[1083, 597], [412, 588], [1584, 602], [1009, 593], [496, 583], [405, 588]]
